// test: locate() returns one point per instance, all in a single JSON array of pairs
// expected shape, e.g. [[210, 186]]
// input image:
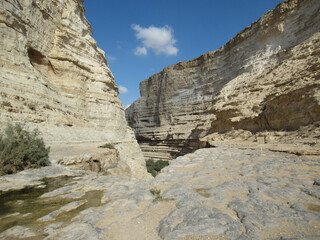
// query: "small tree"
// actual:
[[20, 149]]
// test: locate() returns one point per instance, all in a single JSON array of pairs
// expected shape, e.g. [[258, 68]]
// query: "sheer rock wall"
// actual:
[[56, 79], [264, 79]]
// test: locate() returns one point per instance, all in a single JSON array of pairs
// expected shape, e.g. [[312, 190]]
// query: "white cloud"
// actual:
[[160, 40], [140, 51], [122, 89]]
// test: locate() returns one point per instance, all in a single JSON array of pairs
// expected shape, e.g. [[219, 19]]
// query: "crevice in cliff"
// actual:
[[51, 68], [36, 58], [18, 4], [74, 62], [16, 26]]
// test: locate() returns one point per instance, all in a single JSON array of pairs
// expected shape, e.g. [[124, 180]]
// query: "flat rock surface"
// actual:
[[241, 194], [214, 193], [32, 177]]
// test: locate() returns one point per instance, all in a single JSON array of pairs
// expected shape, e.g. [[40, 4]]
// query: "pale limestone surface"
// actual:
[[264, 79], [214, 193], [56, 79], [98, 161]]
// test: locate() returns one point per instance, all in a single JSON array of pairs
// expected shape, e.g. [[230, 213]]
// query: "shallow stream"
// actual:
[[24, 207]]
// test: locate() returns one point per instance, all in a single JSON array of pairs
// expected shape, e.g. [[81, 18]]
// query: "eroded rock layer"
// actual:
[[264, 79], [55, 78]]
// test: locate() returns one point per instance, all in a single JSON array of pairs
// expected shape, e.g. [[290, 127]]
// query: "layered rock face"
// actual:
[[264, 79], [55, 78]]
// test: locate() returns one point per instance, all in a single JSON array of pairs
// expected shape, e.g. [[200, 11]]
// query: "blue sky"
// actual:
[[141, 37]]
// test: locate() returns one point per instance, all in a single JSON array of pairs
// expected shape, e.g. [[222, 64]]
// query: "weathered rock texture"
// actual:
[[55, 78], [264, 79], [100, 161], [214, 193]]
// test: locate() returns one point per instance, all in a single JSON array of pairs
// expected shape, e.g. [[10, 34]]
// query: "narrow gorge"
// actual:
[[263, 82], [240, 127]]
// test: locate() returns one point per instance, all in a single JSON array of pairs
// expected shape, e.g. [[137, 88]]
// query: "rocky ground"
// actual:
[[214, 193]]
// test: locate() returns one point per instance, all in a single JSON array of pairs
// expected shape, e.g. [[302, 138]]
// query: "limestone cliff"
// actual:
[[264, 79], [55, 78]]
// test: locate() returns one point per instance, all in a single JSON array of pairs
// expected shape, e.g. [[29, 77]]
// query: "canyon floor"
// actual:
[[226, 192]]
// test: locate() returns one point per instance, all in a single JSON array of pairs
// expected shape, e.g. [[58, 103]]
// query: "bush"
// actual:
[[156, 194], [155, 167], [20, 149]]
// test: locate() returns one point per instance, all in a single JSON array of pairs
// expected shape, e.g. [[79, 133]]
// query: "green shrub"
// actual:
[[156, 194], [160, 164], [20, 149], [107, 145], [155, 167], [150, 167]]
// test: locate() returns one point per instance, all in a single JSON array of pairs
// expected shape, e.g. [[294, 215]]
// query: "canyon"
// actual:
[[252, 107], [262, 83]]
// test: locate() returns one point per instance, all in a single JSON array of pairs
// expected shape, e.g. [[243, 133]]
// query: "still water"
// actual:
[[24, 207]]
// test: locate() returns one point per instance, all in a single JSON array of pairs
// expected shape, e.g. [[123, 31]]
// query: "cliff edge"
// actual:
[[56, 79], [263, 82]]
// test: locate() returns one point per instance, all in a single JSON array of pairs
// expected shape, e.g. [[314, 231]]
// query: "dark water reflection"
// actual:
[[24, 207]]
